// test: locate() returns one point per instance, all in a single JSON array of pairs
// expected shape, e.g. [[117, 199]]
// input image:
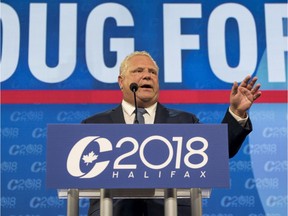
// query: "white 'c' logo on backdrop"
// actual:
[[76, 153]]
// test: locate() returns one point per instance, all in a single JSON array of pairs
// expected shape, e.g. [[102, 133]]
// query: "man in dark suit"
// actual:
[[140, 68]]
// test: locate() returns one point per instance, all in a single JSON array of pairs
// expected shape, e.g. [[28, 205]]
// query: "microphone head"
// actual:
[[133, 87]]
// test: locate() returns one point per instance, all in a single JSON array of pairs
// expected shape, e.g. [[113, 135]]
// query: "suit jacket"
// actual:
[[236, 136]]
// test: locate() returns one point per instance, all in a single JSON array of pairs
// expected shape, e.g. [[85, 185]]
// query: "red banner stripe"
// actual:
[[114, 96]]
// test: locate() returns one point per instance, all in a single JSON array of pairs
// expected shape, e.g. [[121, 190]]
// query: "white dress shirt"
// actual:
[[129, 114], [149, 116]]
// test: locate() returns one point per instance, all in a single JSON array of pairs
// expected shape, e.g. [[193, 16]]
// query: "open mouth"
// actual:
[[146, 86]]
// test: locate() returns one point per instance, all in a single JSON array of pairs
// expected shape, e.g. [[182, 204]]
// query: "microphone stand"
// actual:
[[134, 88], [136, 108]]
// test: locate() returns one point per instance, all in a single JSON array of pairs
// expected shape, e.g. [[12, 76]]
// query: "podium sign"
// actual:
[[112, 156]]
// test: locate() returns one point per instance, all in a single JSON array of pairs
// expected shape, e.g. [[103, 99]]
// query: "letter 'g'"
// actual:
[[74, 157]]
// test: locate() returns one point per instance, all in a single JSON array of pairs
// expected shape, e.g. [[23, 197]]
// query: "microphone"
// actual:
[[134, 88]]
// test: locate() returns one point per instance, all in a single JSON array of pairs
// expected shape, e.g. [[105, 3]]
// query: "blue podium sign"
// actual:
[[87, 156]]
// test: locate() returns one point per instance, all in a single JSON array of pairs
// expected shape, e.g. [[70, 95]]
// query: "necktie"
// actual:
[[140, 117]]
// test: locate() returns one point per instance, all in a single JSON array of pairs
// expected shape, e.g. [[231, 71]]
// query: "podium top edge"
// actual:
[[133, 193]]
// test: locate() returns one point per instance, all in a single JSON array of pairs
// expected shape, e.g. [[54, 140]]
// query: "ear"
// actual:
[[120, 82]]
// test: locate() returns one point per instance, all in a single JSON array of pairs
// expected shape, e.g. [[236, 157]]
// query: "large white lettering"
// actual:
[[10, 41], [247, 41], [277, 43], [94, 41], [174, 41], [67, 43]]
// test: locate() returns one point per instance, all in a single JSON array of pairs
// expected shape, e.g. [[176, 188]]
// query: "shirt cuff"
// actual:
[[241, 121]]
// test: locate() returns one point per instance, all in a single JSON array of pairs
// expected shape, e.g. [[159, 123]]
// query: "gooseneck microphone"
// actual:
[[134, 88]]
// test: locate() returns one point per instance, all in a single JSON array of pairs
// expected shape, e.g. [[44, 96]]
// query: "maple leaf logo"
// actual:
[[89, 158]]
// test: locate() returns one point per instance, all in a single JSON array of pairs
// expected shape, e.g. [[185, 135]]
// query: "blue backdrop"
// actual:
[[52, 48]]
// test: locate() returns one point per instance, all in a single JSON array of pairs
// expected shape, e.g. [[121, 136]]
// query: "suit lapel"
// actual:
[[117, 115], [161, 115]]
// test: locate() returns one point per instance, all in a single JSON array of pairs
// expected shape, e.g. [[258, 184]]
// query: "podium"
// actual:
[[165, 161]]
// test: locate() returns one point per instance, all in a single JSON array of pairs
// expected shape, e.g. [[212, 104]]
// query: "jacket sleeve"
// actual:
[[236, 133]]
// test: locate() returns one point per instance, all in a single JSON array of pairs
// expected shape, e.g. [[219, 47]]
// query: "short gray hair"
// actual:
[[124, 64]]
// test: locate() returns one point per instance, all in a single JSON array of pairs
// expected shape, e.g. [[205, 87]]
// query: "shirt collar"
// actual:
[[129, 109], [152, 109]]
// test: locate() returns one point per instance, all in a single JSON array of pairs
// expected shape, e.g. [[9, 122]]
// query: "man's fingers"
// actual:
[[244, 83], [234, 88], [255, 89], [257, 94], [252, 83]]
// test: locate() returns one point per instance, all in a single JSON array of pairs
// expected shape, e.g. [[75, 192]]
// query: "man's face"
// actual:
[[141, 70]]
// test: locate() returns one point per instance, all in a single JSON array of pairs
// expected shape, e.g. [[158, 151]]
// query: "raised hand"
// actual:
[[243, 96]]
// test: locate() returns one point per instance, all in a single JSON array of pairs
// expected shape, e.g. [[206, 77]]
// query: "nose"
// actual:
[[146, 74]]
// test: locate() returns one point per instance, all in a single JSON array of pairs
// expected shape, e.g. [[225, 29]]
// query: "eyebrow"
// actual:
[[135, 69], [142, 68]]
